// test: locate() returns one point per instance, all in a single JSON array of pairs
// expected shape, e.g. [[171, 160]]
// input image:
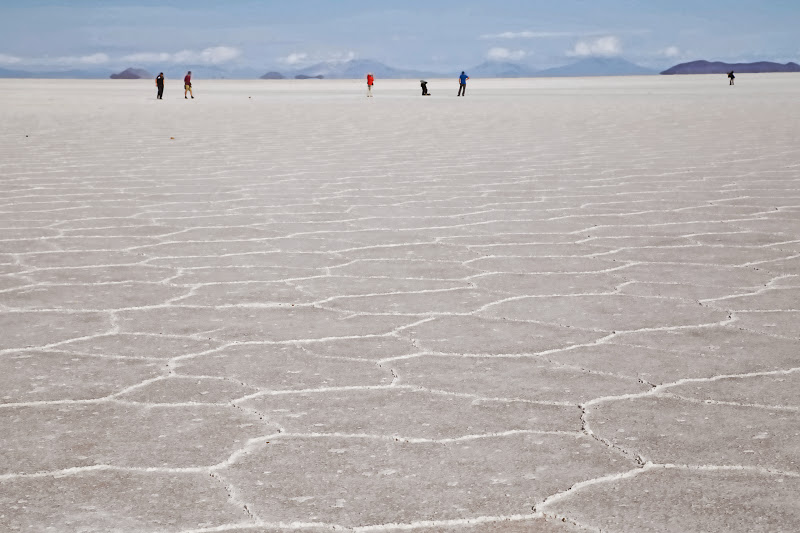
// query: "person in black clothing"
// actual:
[[424, 85], [731, 77], [160, 85]]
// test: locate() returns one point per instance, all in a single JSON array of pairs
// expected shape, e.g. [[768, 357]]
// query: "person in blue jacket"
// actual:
[[462, 84]]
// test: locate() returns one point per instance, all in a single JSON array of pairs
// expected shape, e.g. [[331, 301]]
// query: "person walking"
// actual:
[[370, 81], [424, 85], [731, 77], [187, 85], [462, 84], [160, 85]]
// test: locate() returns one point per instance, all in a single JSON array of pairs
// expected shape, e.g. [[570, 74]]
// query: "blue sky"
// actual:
[[432, 34]]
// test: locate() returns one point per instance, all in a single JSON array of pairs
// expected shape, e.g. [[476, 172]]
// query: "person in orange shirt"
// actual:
[[370, 81]]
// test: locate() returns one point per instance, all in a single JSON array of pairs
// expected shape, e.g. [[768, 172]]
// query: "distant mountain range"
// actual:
[[358, 68], [199, 71], [60, 74], [597, 66], [718, 67], [278, 76], [497, 69], [489, 69]]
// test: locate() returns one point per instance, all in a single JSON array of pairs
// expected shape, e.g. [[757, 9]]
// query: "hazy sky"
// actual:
[[410, 33]]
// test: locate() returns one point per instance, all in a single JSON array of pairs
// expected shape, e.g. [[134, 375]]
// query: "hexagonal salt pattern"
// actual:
[[554, 307]]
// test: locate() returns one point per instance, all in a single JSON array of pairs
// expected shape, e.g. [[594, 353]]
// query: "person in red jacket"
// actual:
[[187, 84], [370, 81]]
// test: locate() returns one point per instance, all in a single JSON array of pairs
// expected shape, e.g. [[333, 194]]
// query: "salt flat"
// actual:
[[552, 306]]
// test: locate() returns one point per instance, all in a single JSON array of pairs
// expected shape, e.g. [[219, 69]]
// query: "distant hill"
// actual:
[[718, 67], [61, 74], [172, 72], [131, 74], [307, 77], [272, 75], [500, 69], [597, 66], [8, 73]]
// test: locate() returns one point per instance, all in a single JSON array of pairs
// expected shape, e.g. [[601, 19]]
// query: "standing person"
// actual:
[[160, 85], [462, 84], [370, 81], [187, 85], [731, 77], [424, 85]]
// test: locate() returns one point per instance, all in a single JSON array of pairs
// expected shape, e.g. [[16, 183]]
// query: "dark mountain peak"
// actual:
[[131, 74], [272, 75]]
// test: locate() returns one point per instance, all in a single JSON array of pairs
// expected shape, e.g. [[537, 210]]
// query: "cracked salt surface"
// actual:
[[584, 319]]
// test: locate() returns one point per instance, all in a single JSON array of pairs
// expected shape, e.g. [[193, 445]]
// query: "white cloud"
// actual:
[[185, 56], [607, 46], [294, 58], [67, 61], [148, 58], [219, 54], [6, 59], [529, 35], [94, 59], [501, 54], [300, 59], [671, 51], [341, 57], [58, 61], [210, 56], [561, 34]]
